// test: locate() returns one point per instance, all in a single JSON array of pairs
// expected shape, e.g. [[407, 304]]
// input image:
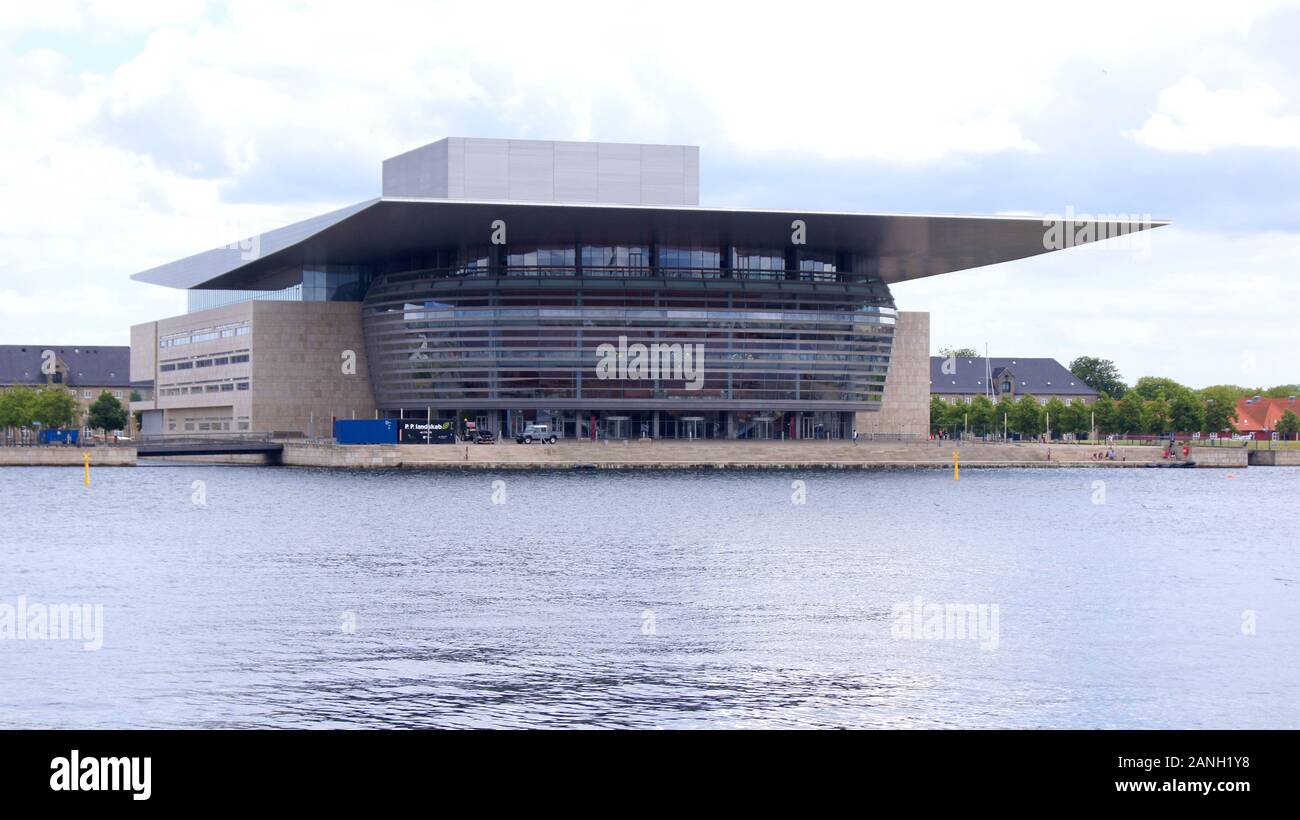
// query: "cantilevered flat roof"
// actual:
[[908, 246]]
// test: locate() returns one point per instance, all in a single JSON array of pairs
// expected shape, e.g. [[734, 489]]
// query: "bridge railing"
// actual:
[[206, 438]]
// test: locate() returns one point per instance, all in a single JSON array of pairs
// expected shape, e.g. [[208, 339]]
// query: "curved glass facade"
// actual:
[[769, 333]]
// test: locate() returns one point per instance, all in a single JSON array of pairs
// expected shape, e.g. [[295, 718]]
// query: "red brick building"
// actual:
[[1259, 415]]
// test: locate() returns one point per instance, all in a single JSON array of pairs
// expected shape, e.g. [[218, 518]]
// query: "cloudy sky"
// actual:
[[135, 134]]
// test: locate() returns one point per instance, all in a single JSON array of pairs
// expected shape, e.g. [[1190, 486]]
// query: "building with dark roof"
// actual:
[[514, 281], [956, 380], [92, 366], [86, 371]]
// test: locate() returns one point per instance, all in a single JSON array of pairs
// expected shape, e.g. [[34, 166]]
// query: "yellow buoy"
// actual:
[[85, 458], [956, 466]]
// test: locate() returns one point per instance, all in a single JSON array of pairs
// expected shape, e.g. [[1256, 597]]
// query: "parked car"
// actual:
[[484, 437], [536, 432]]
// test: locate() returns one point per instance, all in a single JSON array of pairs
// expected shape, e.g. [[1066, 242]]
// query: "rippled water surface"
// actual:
[[653, 599]]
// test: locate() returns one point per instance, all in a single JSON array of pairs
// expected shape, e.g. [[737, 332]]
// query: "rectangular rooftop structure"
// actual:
[[546, 171]]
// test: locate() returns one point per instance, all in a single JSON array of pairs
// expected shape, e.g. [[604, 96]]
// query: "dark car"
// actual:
[[483, 437], [536, 432]]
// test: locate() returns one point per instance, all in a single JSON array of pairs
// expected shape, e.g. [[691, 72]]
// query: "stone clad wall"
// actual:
[[368, 456], [708, 454], [298, 382], [147, 358], [1270, 458], [1219, 456], [56, 456], [655, 454], [906, 406]]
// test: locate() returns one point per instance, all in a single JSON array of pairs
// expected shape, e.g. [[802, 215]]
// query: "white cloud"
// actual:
[[1191, 117], [127, 134]]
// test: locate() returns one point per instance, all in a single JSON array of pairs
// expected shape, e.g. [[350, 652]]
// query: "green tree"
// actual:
[[981, 416], [1219, 404], [1128, 413], [1150, 388], [1076, 419], [17, 407], [1002, 414], [1156, 416], [1027, 417], [1288, 425], [954, 417], [938, 409], [107, 413], [1236, 391], [55, 407], [1103, 410], [959, 353], [1054, 410], [1281, 391], [1186, 412], [1100, 374]]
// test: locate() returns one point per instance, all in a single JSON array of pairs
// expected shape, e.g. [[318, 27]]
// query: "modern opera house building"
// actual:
[[512, 281]]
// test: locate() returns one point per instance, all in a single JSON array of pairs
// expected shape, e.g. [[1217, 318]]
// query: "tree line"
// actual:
[[1153, 406], [56, 407]]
